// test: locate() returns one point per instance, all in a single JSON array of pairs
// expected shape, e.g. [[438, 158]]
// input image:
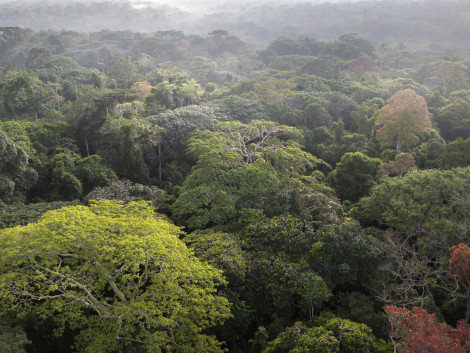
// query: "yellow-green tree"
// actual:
[[116, 274]]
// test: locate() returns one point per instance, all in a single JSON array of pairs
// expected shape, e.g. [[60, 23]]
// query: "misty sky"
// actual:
[[213, 4], [200, 6]]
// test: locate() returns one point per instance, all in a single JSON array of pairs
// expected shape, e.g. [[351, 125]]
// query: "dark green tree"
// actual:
[[354, 175]]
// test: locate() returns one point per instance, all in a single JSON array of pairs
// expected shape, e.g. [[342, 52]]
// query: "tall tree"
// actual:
[[115, 274], [416, 331], [403, 119], [236, 165], [459, 266]]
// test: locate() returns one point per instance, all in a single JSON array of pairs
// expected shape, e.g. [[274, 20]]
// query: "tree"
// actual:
[[142, 89], [453, 118], [457, 153], [73, 176], [19, 214], [339, 107], [224, 251], [315, 112], [242, 109], [221, 250], [360, 66], [403, 119], [247, 139], [126, 191], [38, 57], [345, 254], [189, 92], [424, 213], [459, 266], [106, 54], [360, 44], [116, 274], [124, 144], [23, 95], [239, 171], [354, 175], [451, 74], [403, 163], [12, 339], [16, 174], [334, 335], [89, 113], [177, 127], [302, 339], [416, 331], [321, 67], [313, 291], [124, 71]]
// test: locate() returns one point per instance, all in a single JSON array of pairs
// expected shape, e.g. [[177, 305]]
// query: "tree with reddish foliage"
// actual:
[[360, 66], [403, 119], [106, 55], [459, 265], [403, 163], [142, 89], [459, 262], [416, 331]]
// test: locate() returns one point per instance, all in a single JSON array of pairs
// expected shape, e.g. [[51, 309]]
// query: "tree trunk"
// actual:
[[159, 163], [467, 312], [76, 88], [86, 145], [399, 143], [311, 311]]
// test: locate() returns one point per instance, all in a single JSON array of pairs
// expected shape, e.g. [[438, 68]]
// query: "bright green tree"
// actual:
[[301, 339], [118, 275], [334, 336], [189, 92]]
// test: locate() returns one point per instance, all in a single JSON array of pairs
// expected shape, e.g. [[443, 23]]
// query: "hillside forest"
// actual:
[[172, 192]]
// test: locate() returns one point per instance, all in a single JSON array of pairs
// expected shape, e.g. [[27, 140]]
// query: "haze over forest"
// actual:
[[422, 23], [221, 177]]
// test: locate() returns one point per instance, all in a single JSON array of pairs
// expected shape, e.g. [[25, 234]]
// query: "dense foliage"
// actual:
[[312, 195]]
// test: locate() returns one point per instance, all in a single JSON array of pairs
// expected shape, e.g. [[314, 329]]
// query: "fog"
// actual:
[[423, 22], [198, 6], [201, 6]]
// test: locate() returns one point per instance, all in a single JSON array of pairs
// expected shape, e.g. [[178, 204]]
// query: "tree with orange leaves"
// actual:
[[403, 119], [416, 331], [459, 266], [360, 66], [142, 89]]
